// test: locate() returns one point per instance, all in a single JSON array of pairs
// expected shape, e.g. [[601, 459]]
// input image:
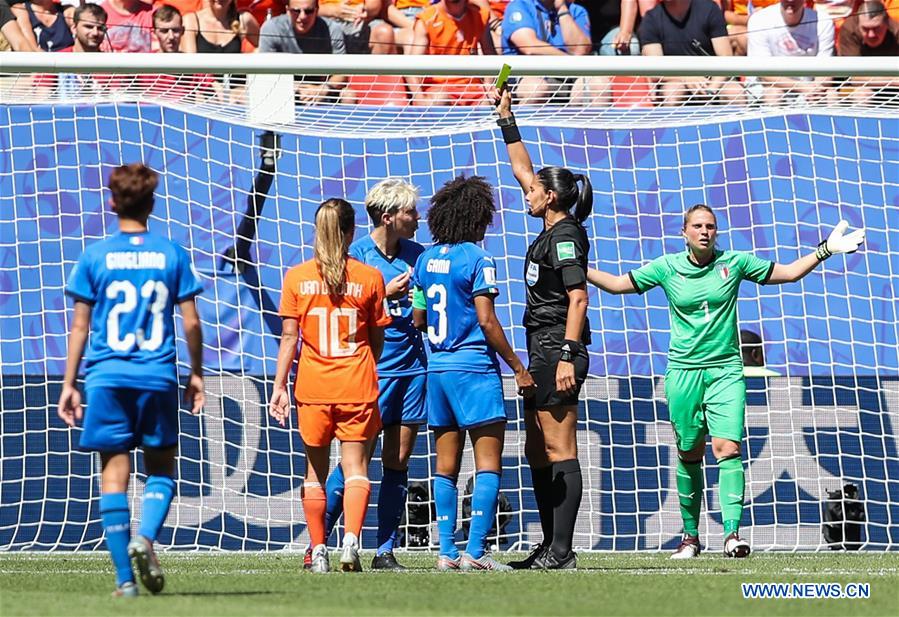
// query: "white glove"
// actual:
[[837, 242]]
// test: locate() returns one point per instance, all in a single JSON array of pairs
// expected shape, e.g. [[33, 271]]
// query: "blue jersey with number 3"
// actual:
[[132, 281], [404, 350], [450, 277]]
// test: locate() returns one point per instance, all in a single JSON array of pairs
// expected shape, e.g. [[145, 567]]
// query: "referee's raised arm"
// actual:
[[522, 166]]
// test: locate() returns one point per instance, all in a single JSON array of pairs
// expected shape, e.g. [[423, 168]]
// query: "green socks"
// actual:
[[690, 484], [731, 485]]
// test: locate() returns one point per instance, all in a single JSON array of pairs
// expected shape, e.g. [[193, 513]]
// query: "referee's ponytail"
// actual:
[[584, 206], [564, 184]]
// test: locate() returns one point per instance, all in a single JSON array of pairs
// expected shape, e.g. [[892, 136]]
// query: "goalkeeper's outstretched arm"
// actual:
[[837, 242]]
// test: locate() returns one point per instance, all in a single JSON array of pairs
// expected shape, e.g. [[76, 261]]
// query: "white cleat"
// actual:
[[484, 564], [349, 558], [448, 564], [141, 552], [321, 564], [735, 546], [687, 549]]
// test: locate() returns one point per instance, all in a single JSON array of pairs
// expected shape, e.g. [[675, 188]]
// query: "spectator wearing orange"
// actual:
[[871, 32], [359, 21], [219, 28], [43, 22], [129, 26], [451, 28], [337, 305]]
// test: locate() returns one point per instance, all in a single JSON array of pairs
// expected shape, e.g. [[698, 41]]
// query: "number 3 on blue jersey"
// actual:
[[438, 334]]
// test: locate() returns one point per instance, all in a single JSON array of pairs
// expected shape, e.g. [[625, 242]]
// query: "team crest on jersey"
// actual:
[[136, 240], [722, 270], [444, 250], [533, 273]]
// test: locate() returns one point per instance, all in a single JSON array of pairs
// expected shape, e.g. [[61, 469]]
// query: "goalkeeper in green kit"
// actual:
[[704, 379]]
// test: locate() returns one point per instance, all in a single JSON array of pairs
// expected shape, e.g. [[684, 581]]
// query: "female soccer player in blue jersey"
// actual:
[[391, 205], [125, 290], [704, 382], [455, 288], [558, 333]]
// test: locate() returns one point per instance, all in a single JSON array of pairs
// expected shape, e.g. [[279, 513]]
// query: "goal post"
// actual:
[[243, 168]]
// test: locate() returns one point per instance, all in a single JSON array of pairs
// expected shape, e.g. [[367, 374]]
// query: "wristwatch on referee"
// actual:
[[569, 350]]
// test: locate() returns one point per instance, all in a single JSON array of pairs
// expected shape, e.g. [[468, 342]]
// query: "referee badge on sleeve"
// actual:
[[565, 250], [533, 273]]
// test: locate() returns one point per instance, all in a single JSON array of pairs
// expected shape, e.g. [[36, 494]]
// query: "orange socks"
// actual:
[[355, 503], [314, 506]]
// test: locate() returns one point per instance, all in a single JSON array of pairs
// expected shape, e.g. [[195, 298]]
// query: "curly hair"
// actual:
[[460, 210]]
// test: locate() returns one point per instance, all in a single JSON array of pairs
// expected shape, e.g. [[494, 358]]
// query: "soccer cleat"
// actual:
[[548, 560], [126, 590], [307, 558], [320, 563], [349, 557], [688, 548], [448, 564], [485, 563], [141, 552], [735, 546], [386, 561], [527, 562]]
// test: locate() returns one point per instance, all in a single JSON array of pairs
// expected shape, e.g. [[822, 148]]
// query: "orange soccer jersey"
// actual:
[[336, 362], [449, 36], [452, 37]]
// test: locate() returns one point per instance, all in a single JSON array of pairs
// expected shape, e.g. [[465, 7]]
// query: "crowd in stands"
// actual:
[[467, 27]]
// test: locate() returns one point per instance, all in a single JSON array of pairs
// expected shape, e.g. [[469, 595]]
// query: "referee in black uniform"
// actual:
[[557, 333]]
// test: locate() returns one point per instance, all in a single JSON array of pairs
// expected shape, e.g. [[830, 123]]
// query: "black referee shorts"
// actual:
[[544, 349]]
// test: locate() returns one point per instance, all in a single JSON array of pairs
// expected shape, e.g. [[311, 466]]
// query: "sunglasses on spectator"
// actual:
[[306, 11]]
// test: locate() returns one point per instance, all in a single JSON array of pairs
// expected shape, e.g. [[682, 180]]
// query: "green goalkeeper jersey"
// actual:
[[703, 304]]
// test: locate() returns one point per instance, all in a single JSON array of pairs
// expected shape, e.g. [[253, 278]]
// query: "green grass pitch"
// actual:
[[222, 584]]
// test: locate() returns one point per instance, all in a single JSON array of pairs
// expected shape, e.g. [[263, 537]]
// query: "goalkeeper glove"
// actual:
[[837, 242]]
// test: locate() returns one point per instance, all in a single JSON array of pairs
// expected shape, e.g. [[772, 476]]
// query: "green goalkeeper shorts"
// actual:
[[706, 401]]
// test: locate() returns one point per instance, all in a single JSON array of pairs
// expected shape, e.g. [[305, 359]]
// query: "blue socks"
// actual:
[[116, 520], [483, 511], [446, 500], [391, 503], [158, 493], [334, 493]]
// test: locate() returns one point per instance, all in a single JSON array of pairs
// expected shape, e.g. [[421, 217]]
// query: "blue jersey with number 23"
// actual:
[[133, 281]]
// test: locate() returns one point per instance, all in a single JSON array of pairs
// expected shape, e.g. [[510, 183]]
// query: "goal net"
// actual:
[[244, 161]]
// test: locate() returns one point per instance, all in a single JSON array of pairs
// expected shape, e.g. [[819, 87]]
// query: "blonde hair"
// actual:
[[334, 219], [389, 197]]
